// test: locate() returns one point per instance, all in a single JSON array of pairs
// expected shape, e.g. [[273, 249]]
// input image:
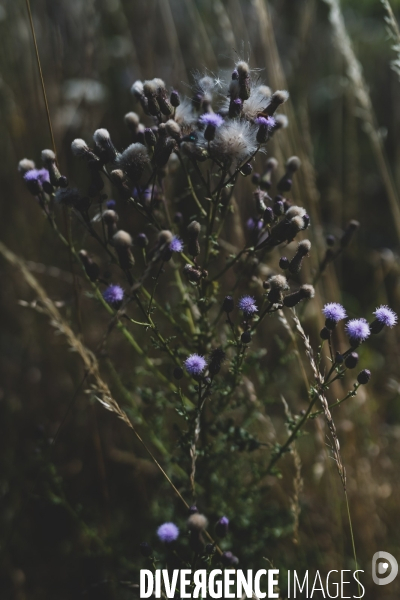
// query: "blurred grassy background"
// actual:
[[72, 514]]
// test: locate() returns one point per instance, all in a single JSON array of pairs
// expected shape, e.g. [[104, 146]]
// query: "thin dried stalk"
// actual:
[[98, 388], [366, 111], [394, 33], [319, 380], [298, 482]]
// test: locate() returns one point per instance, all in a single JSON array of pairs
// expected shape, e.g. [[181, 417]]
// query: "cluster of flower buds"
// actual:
[[45, 180], [196, 525]]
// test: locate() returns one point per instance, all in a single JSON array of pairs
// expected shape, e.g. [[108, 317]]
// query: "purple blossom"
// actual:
[[168, 532], [358, 331], [195, 364], [268, 122], [254, 224], [385, 316], [113, 295], [39, 175], [247, 305], [212, 119], [176, 245], [334, 312], [111, 204], [222, 527]]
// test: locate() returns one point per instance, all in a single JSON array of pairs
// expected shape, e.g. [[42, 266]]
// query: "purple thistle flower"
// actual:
[[333, 313], [222, 527], [111, 204], [39, 175], [247, 305], [176, 245], [113, 295], [195, 365], [385, 316], [254, 224], [268, 122], [358, 331], [168, 532], [212, 119]]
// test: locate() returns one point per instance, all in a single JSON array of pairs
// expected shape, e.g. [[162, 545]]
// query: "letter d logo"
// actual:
[[382, 568]]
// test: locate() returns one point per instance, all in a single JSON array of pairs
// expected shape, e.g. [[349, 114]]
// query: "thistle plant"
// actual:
[[178, 239]]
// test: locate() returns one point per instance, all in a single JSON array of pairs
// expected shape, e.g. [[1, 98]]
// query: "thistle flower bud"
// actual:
[[330, 240], [91, 268], [268, 215], [333, 313], [284, 263], [120, 181], [49, 161], [137, 89], [384, 317], [235, 108], [70, 197], [293, 164], [276, 100], [277, 285], [165, 105], [150, 137], [339, 358], [281, 122], [296, 224], [259, 197], [175, 99], [80, 149], [255, 178], [141, 240], [173, 129], [325, 333], [229, 560], [243, 72], [245, 338], [178, 218], [163, 149], [133, 161], [278, 208], [348, 234], [216, 359], [270, 167], [36, 180], [122, 242], [132, 121], [48, 157], [150, 89], [25, 165], [364, 376], [246, 170], [110, 218], [104, 146], [302, 250], [351, 361], [197, 522], [304, 293], [228, 304], [222, 527], [194, 275], [211, 121], [193, 232]]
